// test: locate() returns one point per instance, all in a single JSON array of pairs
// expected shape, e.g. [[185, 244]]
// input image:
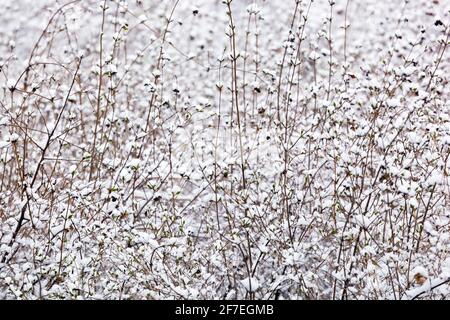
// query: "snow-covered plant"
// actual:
[[224, 149]]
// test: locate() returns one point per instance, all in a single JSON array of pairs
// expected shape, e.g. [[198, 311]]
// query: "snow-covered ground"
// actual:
[[214, 149]]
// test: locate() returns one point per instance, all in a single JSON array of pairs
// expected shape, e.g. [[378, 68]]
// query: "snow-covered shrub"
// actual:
[[224, 149]]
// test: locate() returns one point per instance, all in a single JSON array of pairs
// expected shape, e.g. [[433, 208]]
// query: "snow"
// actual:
[[250, 284], [162, 158]]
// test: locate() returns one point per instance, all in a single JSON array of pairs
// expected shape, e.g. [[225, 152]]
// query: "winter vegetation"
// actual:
[[235, 149]]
